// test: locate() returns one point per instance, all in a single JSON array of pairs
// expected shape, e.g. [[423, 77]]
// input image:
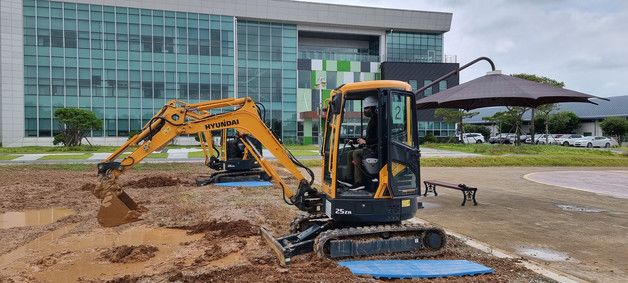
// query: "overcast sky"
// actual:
[[582, 43]]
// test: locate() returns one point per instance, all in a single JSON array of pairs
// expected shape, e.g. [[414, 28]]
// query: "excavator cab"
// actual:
[[389, 167], [227, 155]]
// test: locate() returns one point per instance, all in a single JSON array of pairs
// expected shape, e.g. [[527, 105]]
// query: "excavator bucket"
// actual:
[[117, 208]]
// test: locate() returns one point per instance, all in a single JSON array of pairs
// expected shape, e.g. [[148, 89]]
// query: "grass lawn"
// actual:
[[302, 147], [196, 154], [541, 161], [152, 155], [296, 150], [66, 156], [301, 152], [98, 148], [8, 157], [92, 167], [62, 149], [524, 149]]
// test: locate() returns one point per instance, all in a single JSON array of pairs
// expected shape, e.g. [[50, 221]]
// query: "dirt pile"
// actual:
[[126, 254], [304, 271], [52, 259], [88, 187], [237, 228], [214, 252], [155, 182]]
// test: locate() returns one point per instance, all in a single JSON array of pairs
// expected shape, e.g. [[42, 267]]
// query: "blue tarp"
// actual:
[[245, 184], [415, 268]]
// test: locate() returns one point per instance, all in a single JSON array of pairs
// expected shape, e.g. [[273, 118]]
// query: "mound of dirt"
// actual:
[[126, 254], [154, 182], [317, 271], [51, 259], [238, 228], [88, 187], [214, 252]]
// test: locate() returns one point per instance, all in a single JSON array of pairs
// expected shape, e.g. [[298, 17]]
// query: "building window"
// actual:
[[107, 59], [414, 47], [427, 91]]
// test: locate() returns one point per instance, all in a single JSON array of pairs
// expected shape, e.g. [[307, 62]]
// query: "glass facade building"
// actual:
[[267, 72], [122, 63], [125, 61], [414, 47]]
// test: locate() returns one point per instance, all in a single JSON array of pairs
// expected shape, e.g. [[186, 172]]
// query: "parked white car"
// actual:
[[568, 139], [595, 142], [542, 139], [472, 138]]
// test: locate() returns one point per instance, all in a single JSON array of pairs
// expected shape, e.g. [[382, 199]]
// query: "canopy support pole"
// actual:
[[419, 91]]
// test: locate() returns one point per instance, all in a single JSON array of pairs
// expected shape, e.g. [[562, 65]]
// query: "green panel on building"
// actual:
[[344, 66]]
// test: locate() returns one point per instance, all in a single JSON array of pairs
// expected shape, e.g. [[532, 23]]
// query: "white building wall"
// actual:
[[11, 73]]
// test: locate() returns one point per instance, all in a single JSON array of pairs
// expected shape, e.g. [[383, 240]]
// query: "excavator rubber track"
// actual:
[[380, 242], [237, 176]]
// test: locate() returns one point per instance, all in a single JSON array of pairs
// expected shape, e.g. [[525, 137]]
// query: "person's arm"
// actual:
[[371, 133]]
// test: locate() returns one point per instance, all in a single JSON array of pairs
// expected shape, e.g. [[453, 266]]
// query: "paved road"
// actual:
[[611, 183], [577, 232]]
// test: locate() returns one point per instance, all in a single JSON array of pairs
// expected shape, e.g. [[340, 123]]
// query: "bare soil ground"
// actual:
[[190, 234]]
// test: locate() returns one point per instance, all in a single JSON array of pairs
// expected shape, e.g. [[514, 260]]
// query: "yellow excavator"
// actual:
[[348, 217], [230, 160]]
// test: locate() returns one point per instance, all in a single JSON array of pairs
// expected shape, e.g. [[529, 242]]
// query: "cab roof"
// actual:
[[369, 86]]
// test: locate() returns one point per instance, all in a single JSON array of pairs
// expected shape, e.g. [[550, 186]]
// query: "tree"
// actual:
[[502, 121], [564, 122], [75, 123], [429, 138], [486, 132], [540, 79], [512, 117], [454, 116], [616, 127], [544, 110]]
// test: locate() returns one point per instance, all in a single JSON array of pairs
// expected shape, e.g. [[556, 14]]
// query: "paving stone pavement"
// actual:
[[181, 155]]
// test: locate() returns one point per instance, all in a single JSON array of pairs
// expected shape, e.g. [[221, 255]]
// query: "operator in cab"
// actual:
[[367, 143]]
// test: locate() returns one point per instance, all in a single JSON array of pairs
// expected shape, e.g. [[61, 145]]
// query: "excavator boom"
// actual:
[[178, 118]]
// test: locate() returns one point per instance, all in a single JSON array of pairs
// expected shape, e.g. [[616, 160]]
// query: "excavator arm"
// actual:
[[178, 118]]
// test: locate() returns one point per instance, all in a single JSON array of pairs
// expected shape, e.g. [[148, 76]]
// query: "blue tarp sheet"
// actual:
[[415, 268], [245, 184]]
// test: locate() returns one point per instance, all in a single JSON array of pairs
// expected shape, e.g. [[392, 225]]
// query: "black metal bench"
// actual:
[[468, 193]]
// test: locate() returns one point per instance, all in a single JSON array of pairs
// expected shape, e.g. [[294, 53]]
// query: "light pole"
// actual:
[[321, 83]]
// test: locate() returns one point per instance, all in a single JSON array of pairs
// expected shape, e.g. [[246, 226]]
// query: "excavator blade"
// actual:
[[292, 244], [279, 250], [117, 208]]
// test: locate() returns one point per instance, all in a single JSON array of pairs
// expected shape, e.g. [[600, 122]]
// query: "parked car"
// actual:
[[523, 138], [472, 138], [494, 138], [542, 139], [502, 138], [595, 142], [568, 139]]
